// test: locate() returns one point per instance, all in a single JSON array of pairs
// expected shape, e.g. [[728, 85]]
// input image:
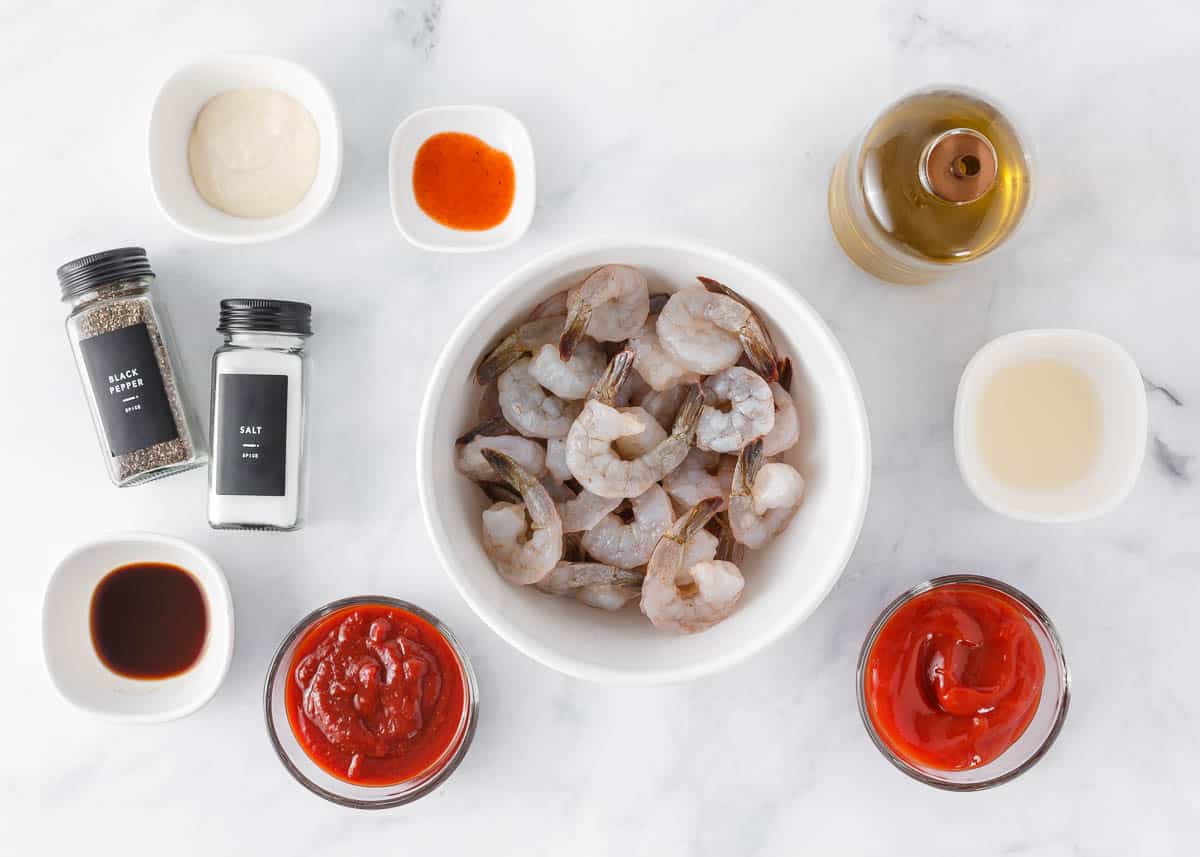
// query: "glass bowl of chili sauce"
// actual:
[[962, 682], [370, 702]]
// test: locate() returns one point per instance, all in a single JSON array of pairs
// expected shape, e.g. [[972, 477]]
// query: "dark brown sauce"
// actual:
[[148, 620]]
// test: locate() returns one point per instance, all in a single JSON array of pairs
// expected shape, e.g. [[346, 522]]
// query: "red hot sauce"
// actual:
[[954, 677], [375, 695], [462, 182]]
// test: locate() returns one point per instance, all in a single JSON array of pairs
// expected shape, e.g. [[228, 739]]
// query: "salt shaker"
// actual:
[[259, 382], [123, 349]]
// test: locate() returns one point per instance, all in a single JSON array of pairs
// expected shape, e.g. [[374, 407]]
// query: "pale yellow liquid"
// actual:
[[906, 234], [1039, 425]]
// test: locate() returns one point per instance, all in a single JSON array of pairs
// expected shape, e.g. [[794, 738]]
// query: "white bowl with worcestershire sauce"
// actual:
[[1050, 425], [114, 650], [785, 581]]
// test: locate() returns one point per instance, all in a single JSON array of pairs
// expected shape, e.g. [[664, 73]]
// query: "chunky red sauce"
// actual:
[[462, 182], [954, 677], [376, 695]]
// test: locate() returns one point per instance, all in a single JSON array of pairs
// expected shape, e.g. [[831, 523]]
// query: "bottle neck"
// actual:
[[108, 292], [272, 340]]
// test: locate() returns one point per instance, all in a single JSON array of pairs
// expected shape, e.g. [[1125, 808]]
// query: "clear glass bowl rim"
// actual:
[[1063, 701], [472, 689]]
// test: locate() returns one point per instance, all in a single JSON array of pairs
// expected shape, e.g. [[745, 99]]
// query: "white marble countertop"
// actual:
[[716, 121]]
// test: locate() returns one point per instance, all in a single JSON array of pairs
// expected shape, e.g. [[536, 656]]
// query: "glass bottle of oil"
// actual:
[[937, 180]]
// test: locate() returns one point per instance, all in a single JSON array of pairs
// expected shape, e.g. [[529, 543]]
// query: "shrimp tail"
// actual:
[[575, 575], [689, 412], [729, 549], [494, 427], [579, 312], [697, 518], [537, 500], [499, 492], [605, 390], [750, 461], [755, 339], [504, 355], [758, 349], [785, 374]]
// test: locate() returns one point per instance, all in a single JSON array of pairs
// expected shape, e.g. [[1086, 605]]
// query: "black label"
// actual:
[[129, 389], [251, 434]]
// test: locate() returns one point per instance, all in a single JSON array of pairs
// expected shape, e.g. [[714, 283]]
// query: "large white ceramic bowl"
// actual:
[[784, 582]]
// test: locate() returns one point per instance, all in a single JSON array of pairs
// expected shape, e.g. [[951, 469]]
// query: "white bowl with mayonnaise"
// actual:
[[244, 148]]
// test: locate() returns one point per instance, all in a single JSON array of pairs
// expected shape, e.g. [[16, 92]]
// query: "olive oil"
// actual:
[[941, 178]]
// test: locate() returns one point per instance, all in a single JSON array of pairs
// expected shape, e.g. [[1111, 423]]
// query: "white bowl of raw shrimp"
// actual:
[[785, 581]]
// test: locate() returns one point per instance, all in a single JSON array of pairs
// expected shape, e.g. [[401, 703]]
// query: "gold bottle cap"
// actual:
[[959, 165]]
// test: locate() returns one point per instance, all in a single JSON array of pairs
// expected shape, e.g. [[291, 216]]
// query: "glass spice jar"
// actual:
[[259, 382], [122, 345]]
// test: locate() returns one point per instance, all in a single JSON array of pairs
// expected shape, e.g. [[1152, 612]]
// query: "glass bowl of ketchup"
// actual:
[[370, 702], [962, 682]]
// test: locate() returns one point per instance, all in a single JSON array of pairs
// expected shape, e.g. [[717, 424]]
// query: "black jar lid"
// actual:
[[101, 269], [260, 315]]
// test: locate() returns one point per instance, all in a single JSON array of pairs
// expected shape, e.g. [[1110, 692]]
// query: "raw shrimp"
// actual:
[[568, 379], [703, 474], [707, 597], [496, 434], [529, 408], [556, 459], [593, 583], [522, 342], [738, 408], [608, 596], [706, 332], [664, 405], [765, 497], [630, 391], [768, 354], [615, 542], [555, 305], [653, 363], [610, 305], [585, 510], [701, 547], [520, 556], [786, 431], [637, 445], [591, 456]]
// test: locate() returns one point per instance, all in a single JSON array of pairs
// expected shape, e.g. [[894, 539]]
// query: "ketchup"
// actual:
[[375, 695], [954, 677]]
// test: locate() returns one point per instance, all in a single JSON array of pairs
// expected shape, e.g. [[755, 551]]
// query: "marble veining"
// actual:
[[718, 121]]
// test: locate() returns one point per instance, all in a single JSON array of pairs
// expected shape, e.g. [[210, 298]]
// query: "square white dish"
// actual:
[[71, 660], [1122, 396], [500, 130], [171, 120]]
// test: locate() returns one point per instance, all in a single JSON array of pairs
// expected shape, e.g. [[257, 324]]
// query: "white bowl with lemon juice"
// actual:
[[1050, 425]]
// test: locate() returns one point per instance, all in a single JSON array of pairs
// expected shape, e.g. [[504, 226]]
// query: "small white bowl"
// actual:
[[76, 669], [784, 581], [500, 130], [1123, 409], [174, 113]]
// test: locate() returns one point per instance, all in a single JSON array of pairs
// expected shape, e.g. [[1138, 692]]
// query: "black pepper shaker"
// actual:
[[122, 345]]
